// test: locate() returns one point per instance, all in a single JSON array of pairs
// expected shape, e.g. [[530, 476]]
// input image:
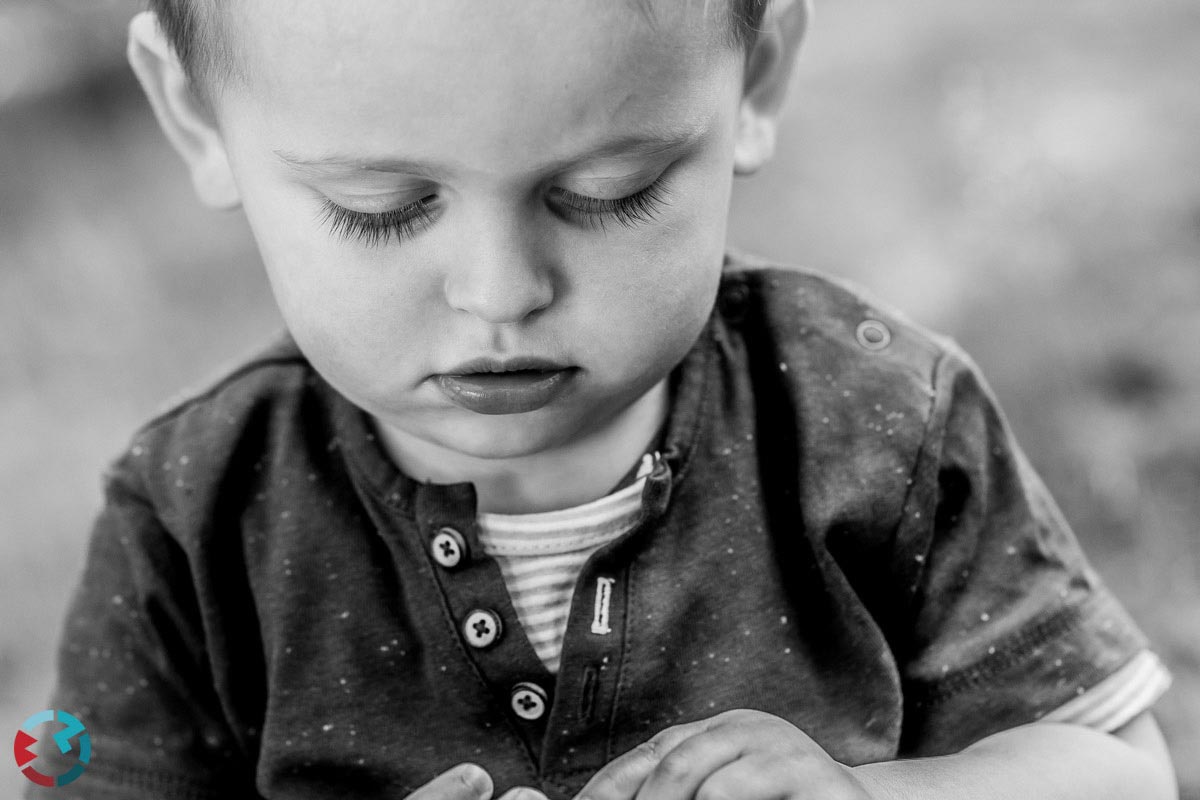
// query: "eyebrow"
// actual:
[[638, 144]]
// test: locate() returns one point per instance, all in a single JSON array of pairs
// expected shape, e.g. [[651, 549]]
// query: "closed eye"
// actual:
[[640, 207], [373, 229]]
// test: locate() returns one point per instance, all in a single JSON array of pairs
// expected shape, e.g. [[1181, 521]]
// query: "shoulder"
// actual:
[[833, 340], [271, 380], [252, 413]]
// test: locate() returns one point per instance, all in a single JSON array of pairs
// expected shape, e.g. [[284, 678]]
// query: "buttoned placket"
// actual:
[[561, 718], [478, 602], [576, 739]]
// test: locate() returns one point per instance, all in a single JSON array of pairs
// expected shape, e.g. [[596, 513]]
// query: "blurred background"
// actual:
[[1022, 175]]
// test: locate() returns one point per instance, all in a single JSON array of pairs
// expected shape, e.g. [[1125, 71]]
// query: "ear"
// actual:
[[768, 68], [184, 116]]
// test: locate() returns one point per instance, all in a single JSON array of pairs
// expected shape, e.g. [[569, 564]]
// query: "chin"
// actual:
[[503, 436]]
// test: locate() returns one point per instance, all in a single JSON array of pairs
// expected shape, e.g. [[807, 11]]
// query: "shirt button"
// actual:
[[528, 701], [873, 334], [448, 547], [482, 628], [732, 300]]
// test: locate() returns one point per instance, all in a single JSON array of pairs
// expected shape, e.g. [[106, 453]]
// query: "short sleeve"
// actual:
[[1008, 621], [133, 669]]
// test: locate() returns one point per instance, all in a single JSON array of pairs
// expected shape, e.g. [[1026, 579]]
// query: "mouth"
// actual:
[[514, 386]]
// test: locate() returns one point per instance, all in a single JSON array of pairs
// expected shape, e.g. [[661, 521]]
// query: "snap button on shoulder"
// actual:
[[482, 628], [448, 547], [873, 334], [528, 701], [732, 300]]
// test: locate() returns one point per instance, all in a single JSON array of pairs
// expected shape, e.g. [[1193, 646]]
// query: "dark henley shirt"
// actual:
[[841, 532]]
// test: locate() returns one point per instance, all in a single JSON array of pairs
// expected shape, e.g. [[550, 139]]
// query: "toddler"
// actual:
[[544, 493]]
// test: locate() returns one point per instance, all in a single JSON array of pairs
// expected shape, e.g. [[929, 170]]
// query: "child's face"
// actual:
[[497, 136]]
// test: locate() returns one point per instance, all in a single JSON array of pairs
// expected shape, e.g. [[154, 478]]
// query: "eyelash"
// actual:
[[408, 220], [372, 230], [640, 207]]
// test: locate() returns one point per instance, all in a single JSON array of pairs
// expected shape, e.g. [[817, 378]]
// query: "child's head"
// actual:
[[436, 181]]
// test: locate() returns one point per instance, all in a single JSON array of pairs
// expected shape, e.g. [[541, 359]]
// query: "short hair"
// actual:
[[193, 29]]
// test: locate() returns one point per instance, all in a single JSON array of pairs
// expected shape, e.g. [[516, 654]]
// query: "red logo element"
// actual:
[[21, 748]]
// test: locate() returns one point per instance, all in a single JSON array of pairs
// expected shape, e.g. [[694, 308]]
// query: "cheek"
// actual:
[[286, 225], [692, 233], [346, 306], [678, 269], [299, 270], [651, 317], [310, 272]]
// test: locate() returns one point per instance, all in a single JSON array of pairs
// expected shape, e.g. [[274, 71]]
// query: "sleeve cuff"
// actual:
[[1118, 698]]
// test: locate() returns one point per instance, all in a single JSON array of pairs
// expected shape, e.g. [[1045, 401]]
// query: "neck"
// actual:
[[576, 472]]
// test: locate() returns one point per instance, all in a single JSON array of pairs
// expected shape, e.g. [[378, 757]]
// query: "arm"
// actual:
[[1040, 760], [133, 667], [1008, 618], [755, 756]]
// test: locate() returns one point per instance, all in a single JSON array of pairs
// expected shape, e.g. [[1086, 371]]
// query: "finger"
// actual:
[[523, 793], [761, 776], [461, 782], [747, 779], [680, 772], [621, 778], [732, 735]]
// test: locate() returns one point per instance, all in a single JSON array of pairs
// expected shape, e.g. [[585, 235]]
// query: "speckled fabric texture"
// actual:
[[841, 532]]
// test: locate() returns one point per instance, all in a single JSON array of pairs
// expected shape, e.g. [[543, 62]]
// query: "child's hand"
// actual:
[[739, 754], [469, 782]]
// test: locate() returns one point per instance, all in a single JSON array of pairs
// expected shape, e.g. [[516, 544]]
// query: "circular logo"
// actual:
[[72, 728]]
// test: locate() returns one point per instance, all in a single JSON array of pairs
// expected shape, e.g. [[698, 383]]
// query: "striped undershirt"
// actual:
[[541, 556]]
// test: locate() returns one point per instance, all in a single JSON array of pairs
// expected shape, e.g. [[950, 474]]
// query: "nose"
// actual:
[[502, 276]]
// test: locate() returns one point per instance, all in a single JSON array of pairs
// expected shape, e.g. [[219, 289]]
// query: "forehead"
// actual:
[[529, 73], [431, 16]]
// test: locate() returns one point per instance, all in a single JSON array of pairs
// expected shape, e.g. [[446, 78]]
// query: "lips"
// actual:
[[512, 386]]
